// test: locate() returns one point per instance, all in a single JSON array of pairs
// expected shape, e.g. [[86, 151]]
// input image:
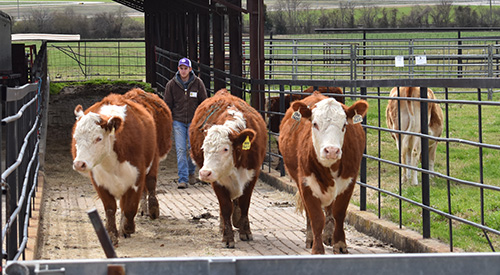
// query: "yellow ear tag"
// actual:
[[246, 144], [112, 132]]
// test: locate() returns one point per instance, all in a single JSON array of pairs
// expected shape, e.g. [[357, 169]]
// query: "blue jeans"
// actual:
[[185, 165]]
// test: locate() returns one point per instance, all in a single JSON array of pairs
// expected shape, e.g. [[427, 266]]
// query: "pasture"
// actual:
[[464, 164]]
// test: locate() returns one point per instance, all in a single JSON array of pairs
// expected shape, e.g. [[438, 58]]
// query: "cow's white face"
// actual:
[[218, 148], [217, 154], [93, 143], [329, 122]]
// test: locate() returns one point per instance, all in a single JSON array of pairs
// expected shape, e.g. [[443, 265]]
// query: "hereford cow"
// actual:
[[274, 103], [163, 122], [410, 122], [322, 145], [228, 141], [118, 144]]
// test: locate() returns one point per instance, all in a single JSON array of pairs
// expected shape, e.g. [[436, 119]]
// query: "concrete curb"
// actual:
[[368, 223]]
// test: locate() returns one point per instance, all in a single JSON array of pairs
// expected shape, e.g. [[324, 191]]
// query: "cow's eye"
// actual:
[[226, 149], [98, 139], [315, 125]]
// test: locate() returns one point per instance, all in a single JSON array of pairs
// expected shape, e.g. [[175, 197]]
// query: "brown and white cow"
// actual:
[[322, 145], [117, 143], [410, 122], [228, 143], [274, 103], [163, 122]]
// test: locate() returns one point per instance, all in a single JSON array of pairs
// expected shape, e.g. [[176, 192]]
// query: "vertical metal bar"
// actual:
[[102, 234], [400, 188], [271, 55], [480, 136], [490, 70], [379, 154], [11, 155], [282, 111], [425, 163], [448, 184], [22, 125], [3, 94], [294, 60], [459, 52], [362, 189], [119, 56]]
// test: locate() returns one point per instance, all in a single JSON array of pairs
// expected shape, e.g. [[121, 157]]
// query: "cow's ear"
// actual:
[[113, 124], [244, 139], [357, 111], [78, 111], [303, 109]]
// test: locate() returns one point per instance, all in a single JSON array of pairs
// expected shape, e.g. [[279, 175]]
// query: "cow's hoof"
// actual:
[[228, 244], [154, 208], [246, 236], [328, 240], [309, 243], [114, 240], [340, 248], [318, 250], [126, 235]]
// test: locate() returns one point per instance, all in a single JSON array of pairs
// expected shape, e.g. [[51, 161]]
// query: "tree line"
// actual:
[[296, 17], [101, 25]]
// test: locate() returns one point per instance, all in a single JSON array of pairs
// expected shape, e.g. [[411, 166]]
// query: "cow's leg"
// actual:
[[432, 154], [153, 206], [244, 204], [315, 216], [129, 203], [143, 205], [109, 203], [236, 213], [329, 225], [226, 209], [406, 156], [339, 211], [309, 233], [415, 157]]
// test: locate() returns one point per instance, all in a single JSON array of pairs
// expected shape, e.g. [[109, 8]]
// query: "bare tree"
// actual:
[[368, 15], [441, 13]]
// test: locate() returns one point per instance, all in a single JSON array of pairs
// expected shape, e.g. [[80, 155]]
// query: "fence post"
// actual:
[[426, 224], [362, 177], [490, 69], [3, 92], [294, 60], [11, 145], [282, 110]]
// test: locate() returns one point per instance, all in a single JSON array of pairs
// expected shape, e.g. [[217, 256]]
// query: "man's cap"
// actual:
[[185, 61]]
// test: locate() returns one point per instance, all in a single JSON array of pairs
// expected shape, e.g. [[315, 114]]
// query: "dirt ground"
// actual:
[[188, 225]]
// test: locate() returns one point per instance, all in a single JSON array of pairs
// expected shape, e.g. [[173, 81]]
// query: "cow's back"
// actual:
[[161, 114], [135, 141], [213, 111], [410, 111]]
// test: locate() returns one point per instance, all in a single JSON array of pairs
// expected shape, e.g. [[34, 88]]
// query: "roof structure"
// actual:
[[199, 29]]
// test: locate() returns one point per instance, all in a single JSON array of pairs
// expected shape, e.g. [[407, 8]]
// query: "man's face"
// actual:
[[184, 70]]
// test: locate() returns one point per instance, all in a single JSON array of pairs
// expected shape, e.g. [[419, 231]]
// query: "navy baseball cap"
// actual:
[[184, 61]]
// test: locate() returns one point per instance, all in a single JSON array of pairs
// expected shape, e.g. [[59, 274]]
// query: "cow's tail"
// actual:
[[299, 204]]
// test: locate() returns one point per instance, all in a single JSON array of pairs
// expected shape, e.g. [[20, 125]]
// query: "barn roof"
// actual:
[[139, 4], [134, 4]]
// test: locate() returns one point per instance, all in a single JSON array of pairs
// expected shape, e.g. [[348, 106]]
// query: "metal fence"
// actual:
[[466, 161], [23, 125], [380, 58], [97, 59]]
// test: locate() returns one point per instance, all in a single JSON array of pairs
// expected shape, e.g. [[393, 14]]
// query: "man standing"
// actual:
[[183, 93]]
